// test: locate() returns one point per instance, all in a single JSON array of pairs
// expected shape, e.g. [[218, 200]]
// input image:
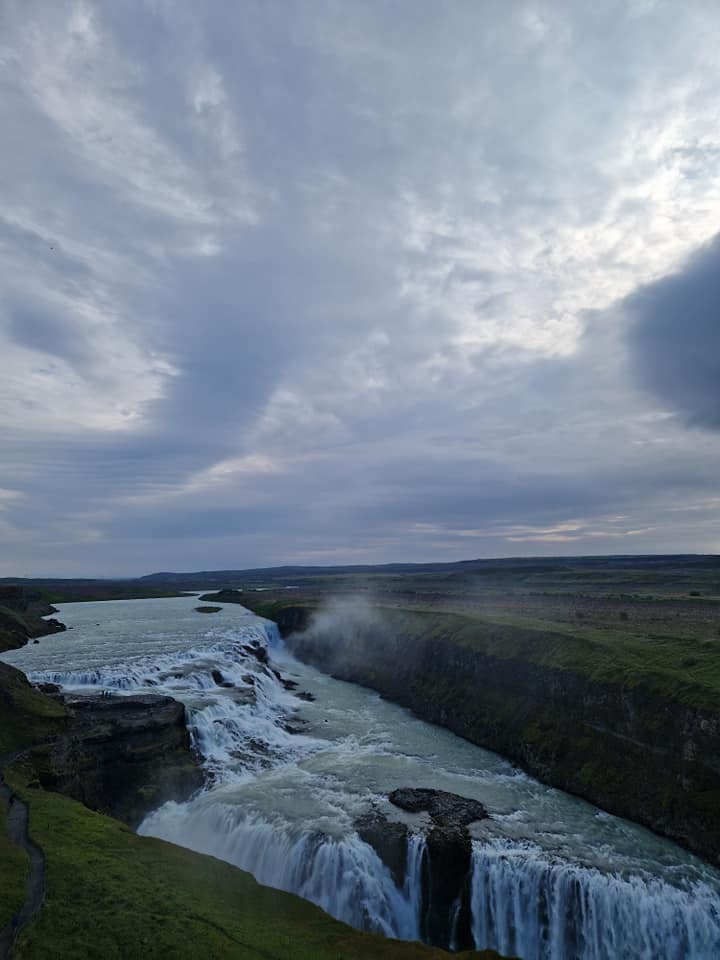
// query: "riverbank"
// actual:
[[629, 722], [23, 617]]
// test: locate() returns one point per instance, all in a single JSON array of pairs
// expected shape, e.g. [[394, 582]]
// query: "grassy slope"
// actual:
[[114, 894], [26, 716], [686, 668], [13, 629], [14, 867]]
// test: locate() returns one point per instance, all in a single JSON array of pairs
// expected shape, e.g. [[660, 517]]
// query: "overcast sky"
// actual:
[[371, 280]]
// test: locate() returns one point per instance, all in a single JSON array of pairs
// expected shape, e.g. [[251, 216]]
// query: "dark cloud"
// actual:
[[674, 338]]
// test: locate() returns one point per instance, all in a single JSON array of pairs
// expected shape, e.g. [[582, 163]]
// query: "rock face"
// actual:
[[389, 839], [122, 755], [447, 861]]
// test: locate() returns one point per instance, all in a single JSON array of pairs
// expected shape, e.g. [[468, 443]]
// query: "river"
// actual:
[[553, 878]]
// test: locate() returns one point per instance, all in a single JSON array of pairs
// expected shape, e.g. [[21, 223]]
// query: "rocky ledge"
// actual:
[[122, 755], [447, 859]]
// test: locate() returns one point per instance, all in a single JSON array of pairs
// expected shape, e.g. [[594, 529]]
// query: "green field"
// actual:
[[12, 875]]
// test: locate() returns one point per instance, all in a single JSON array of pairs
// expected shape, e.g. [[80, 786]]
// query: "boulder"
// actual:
[[444, 809]]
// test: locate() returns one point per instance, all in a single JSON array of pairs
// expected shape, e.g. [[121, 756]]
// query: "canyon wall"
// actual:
[[633, 749]]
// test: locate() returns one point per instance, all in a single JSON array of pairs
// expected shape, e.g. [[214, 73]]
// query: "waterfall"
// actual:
[[237, 709], [528, 905], [272, 634], [343, 875]]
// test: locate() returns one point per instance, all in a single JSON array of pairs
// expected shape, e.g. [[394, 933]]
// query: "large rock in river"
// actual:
[[446, 867]]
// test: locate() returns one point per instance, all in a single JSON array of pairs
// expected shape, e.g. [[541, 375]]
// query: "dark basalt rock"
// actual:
[[307, 697], [207, 609], [122, 755], [446, 868], [388, 839], [447, 810], [259, 652]]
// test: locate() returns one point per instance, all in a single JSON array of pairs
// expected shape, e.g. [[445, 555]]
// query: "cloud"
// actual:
[[354, 283], [674, 338]]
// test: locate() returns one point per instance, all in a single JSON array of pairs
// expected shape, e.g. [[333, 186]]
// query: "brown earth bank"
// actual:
[[642, 742]]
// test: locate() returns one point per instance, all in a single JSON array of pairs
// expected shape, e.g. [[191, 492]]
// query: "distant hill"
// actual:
[[624, 572]]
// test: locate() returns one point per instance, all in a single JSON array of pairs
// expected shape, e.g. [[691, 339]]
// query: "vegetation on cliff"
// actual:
[[21, 617], [27, 717]]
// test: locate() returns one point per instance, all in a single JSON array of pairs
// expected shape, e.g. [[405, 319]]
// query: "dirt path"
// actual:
[[17, 831]]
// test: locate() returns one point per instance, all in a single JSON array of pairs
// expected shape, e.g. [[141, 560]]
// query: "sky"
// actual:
[[357, 282]]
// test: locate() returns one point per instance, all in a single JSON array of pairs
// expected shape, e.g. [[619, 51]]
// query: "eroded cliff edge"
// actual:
[[122, 756], [636, 742]]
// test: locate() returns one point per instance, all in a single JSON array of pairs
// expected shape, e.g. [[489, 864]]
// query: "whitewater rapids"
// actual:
[[553, 878]]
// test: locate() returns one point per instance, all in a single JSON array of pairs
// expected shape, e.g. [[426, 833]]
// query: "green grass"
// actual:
[[113, 894], [685, 666], [12, 615], [13, 629], [679, 659], [26, 716], [13, 870]]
